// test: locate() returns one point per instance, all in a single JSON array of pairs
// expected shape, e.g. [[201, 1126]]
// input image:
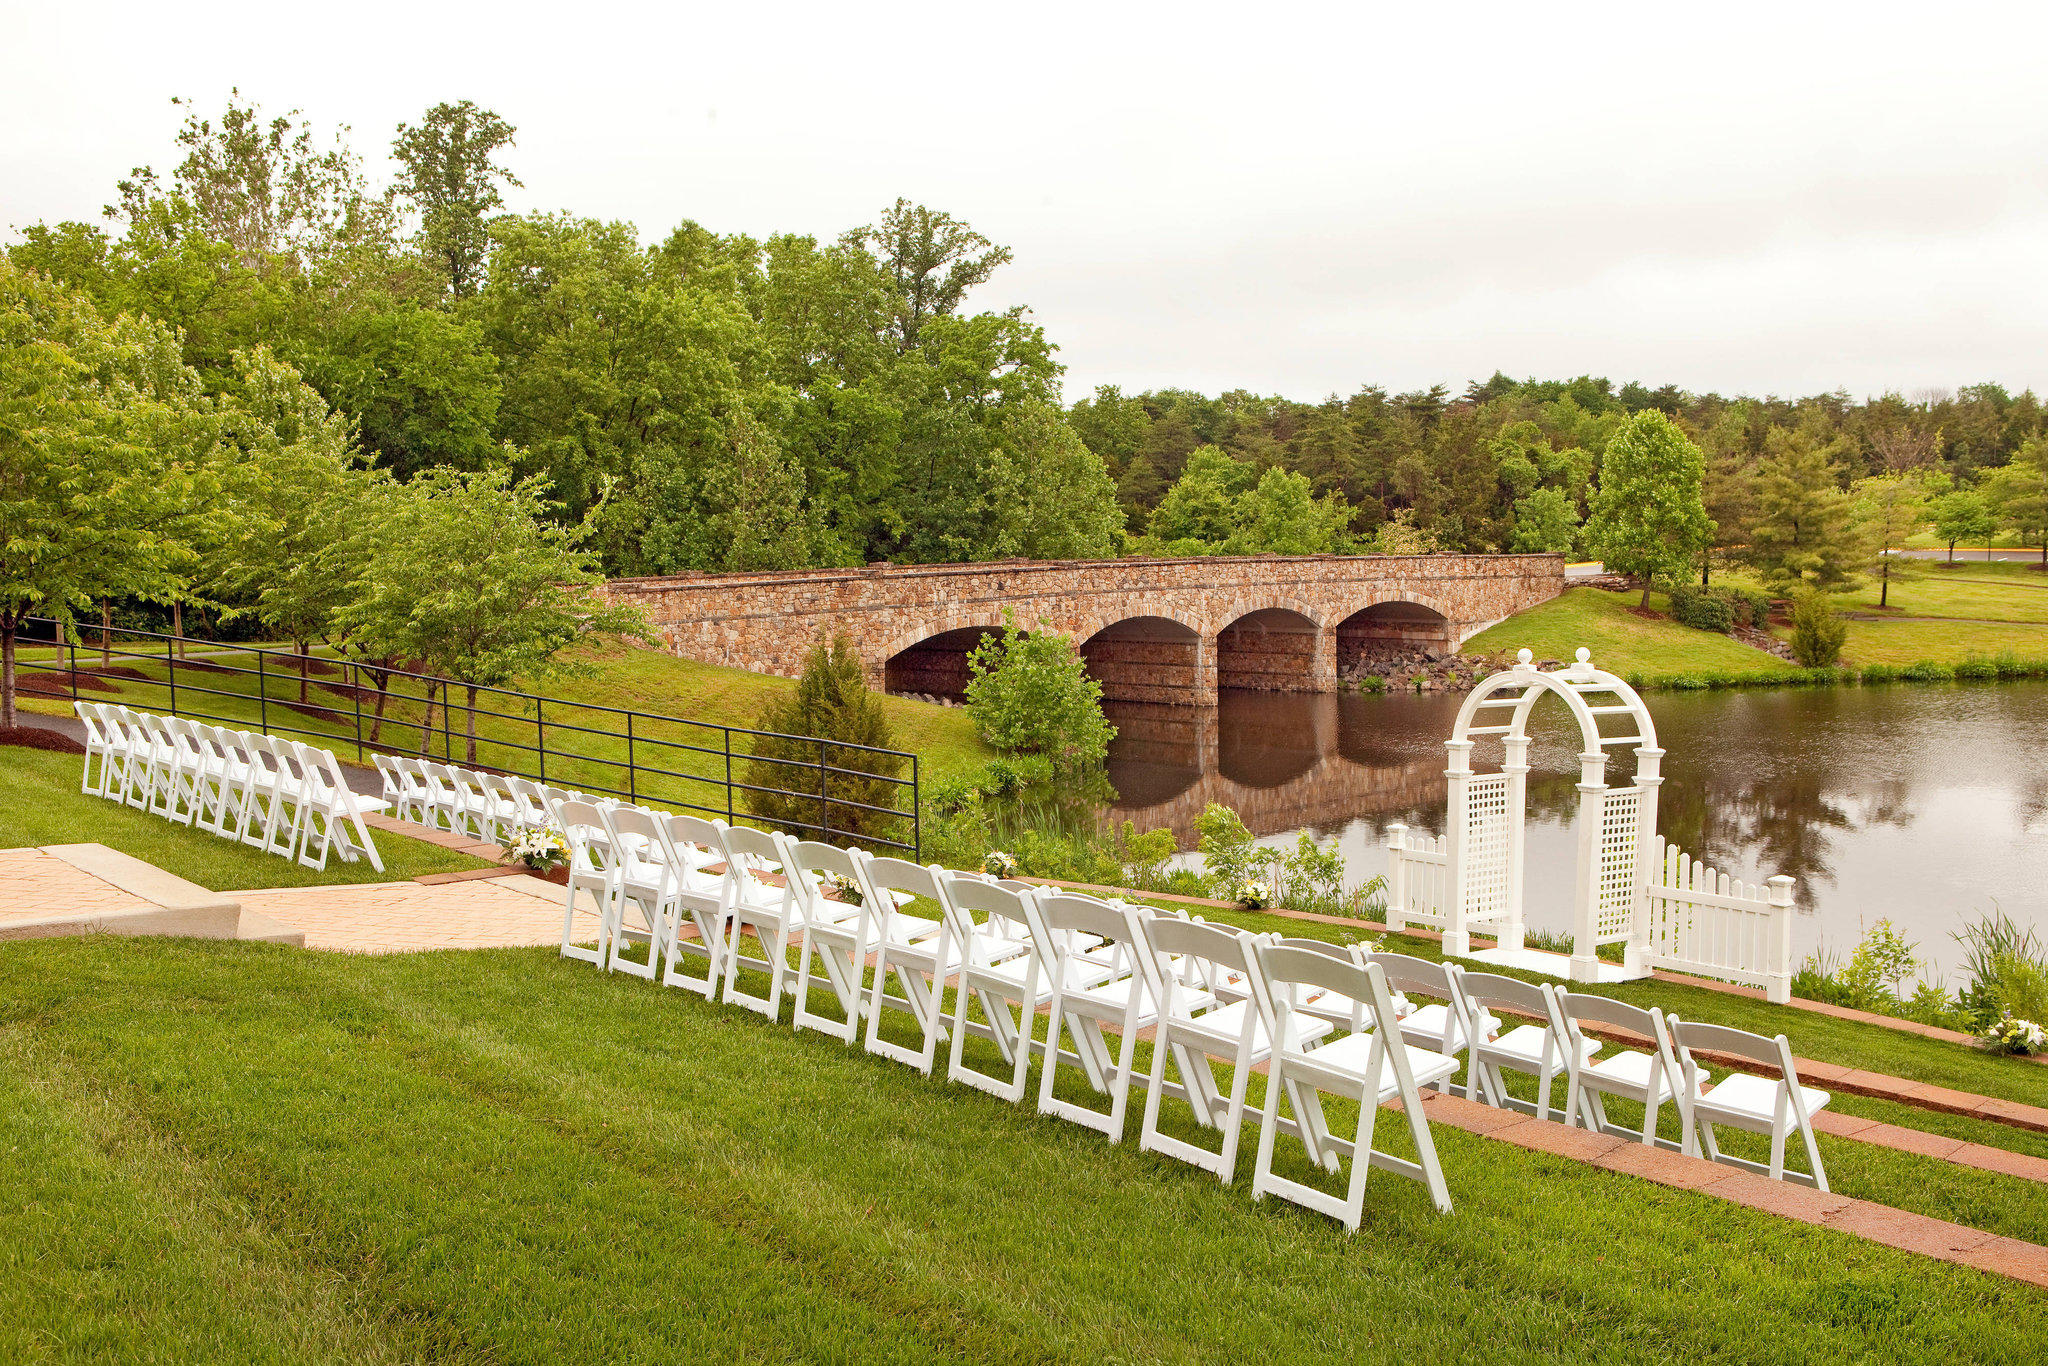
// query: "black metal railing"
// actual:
[[731, 772]]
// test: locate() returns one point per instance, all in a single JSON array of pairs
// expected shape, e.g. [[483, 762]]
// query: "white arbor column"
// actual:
[[1397, 877], [1586, 896], [1516, 767], [1457, 939], [1648, 780]]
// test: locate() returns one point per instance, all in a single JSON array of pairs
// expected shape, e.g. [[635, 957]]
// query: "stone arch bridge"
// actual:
[[1151, 630]]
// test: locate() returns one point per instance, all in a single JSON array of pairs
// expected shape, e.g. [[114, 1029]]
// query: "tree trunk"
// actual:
[[383, 699], [1884, 582], [7, 629], [178, 624], [106, 634], [1645, 604], [1706, 570], [1951, 552], [427, 722], [470, 695]]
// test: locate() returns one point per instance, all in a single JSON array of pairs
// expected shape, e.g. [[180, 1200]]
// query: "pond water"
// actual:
[[1927, 804]]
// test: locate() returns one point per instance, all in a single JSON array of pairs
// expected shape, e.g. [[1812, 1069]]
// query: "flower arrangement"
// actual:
[[1252, 894], [542, 850], [996, 863], [843, 888], [2016, 1036]]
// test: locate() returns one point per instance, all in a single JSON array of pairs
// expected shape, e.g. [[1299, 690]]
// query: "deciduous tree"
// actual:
[[450, 176], [1648, 519]]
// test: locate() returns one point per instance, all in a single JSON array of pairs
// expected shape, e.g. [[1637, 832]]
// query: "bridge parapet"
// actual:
[[1153, 629]]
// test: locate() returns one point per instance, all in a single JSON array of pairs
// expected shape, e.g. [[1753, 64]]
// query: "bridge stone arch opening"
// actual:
[[1149, 659], [935, 666], [1388, 631], [1273, 649]]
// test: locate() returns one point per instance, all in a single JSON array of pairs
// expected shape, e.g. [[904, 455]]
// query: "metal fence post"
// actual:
[[632, 770], [916, 816], [262, 695], [540, 736], [171, 668], [355, 690], [824, 822], [728, 775]]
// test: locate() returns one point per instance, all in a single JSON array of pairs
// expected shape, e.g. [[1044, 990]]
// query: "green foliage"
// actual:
[[450, 178], [108, 459], [1806, 533], [1230, 854], [832, 702], [2019, 492], [1962, 515], [1702, 610], [2008, 971], [1031, 694], [1818, 631], [1647, 518], [1546, 521]]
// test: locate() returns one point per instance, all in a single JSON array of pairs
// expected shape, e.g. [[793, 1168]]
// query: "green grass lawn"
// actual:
[[40, 804], [235, 1152], [1621, 641]]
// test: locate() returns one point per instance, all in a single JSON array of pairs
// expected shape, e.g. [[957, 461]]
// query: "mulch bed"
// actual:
[[61, 683], [115, 671], [200, 666], [34, 737], [317, 713]]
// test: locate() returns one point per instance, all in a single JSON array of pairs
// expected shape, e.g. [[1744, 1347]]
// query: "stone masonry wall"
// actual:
[[1178, 623]]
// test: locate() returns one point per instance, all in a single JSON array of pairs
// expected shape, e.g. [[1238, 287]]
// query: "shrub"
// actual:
[[1976, 670], [1818, 631], [1686, 683], [1883, 961], [1229, 852], [1702, 609], [1927, 671], [2008, 971], [1881, 673], [1752, 608], [831, 701], [1031, 694]]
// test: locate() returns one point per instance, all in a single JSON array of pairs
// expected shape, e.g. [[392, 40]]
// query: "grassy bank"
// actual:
[[241, 1152], [40, 804], [1972, 620]]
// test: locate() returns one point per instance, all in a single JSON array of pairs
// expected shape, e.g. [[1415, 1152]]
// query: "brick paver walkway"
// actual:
[[34, 884], [397, 917]]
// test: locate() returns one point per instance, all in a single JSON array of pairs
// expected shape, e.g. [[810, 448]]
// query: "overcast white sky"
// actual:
[[1292, 199]]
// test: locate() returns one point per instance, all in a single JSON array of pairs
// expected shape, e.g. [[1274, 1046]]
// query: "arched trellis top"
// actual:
[[1518, 689]]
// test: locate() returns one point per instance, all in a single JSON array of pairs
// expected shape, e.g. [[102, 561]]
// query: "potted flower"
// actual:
[[2015, 1036], [543, 852], [1252, 895], [996, 863]]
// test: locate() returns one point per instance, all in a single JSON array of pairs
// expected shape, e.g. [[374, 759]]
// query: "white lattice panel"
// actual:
[[1486, 847], [1617, 901]]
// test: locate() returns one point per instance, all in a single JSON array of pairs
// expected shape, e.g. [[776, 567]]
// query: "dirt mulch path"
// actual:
[[62, 683]]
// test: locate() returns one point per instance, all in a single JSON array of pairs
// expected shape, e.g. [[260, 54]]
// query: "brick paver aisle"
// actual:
[[396, 917], [34, 884]]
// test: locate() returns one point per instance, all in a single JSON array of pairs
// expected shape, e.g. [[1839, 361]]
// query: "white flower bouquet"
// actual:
[[843, 888], [2015, 1036], [542, 850], [996, 863], [1252, 895]]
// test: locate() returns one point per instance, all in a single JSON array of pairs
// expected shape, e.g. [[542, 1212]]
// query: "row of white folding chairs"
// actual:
[[278, 795], [466, 801], [1557, 1040], [1315, 1014]]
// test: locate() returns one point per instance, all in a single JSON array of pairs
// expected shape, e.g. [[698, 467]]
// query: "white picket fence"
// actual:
[[1700, 921], [1418, 879], [1690, 919]]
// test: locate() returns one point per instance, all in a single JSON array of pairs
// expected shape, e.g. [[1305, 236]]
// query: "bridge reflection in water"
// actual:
[[1282, 761]]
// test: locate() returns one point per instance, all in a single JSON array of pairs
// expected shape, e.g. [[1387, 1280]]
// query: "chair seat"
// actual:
[[1227, 1022], [1082, 973], [1352, 1053], [1628, 1071], [1742, 1099], [1435, 1024], [1525, 1044]]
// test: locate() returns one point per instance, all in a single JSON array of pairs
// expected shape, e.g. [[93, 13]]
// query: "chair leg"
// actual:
[[1777, 1152], [1820, 1177]]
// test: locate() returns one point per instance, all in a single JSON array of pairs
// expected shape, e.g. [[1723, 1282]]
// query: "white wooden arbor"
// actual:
[[1616, 826]]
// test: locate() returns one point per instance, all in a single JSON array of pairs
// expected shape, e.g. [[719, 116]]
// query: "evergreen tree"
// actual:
[[832, 702], [1806, 532]]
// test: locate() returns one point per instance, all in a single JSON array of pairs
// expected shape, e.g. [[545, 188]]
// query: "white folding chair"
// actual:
[[839, 933], [1002, 959], [220, 766], [263, 808], [332, 814], [1778, 1106], [120, 747], [416, 795], [1439, 1026], [764, 893], [446, 805], [191, 775], [96, 747], [1648, 1078], [139, 745], [1369, 1068], [1129, 1002], [1537, 1049], [501, 807], [917, 949], [533, 812], [590, 871], [694, 847], [294, 790], [644, 877], [1194, 1027], [161, 795]]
